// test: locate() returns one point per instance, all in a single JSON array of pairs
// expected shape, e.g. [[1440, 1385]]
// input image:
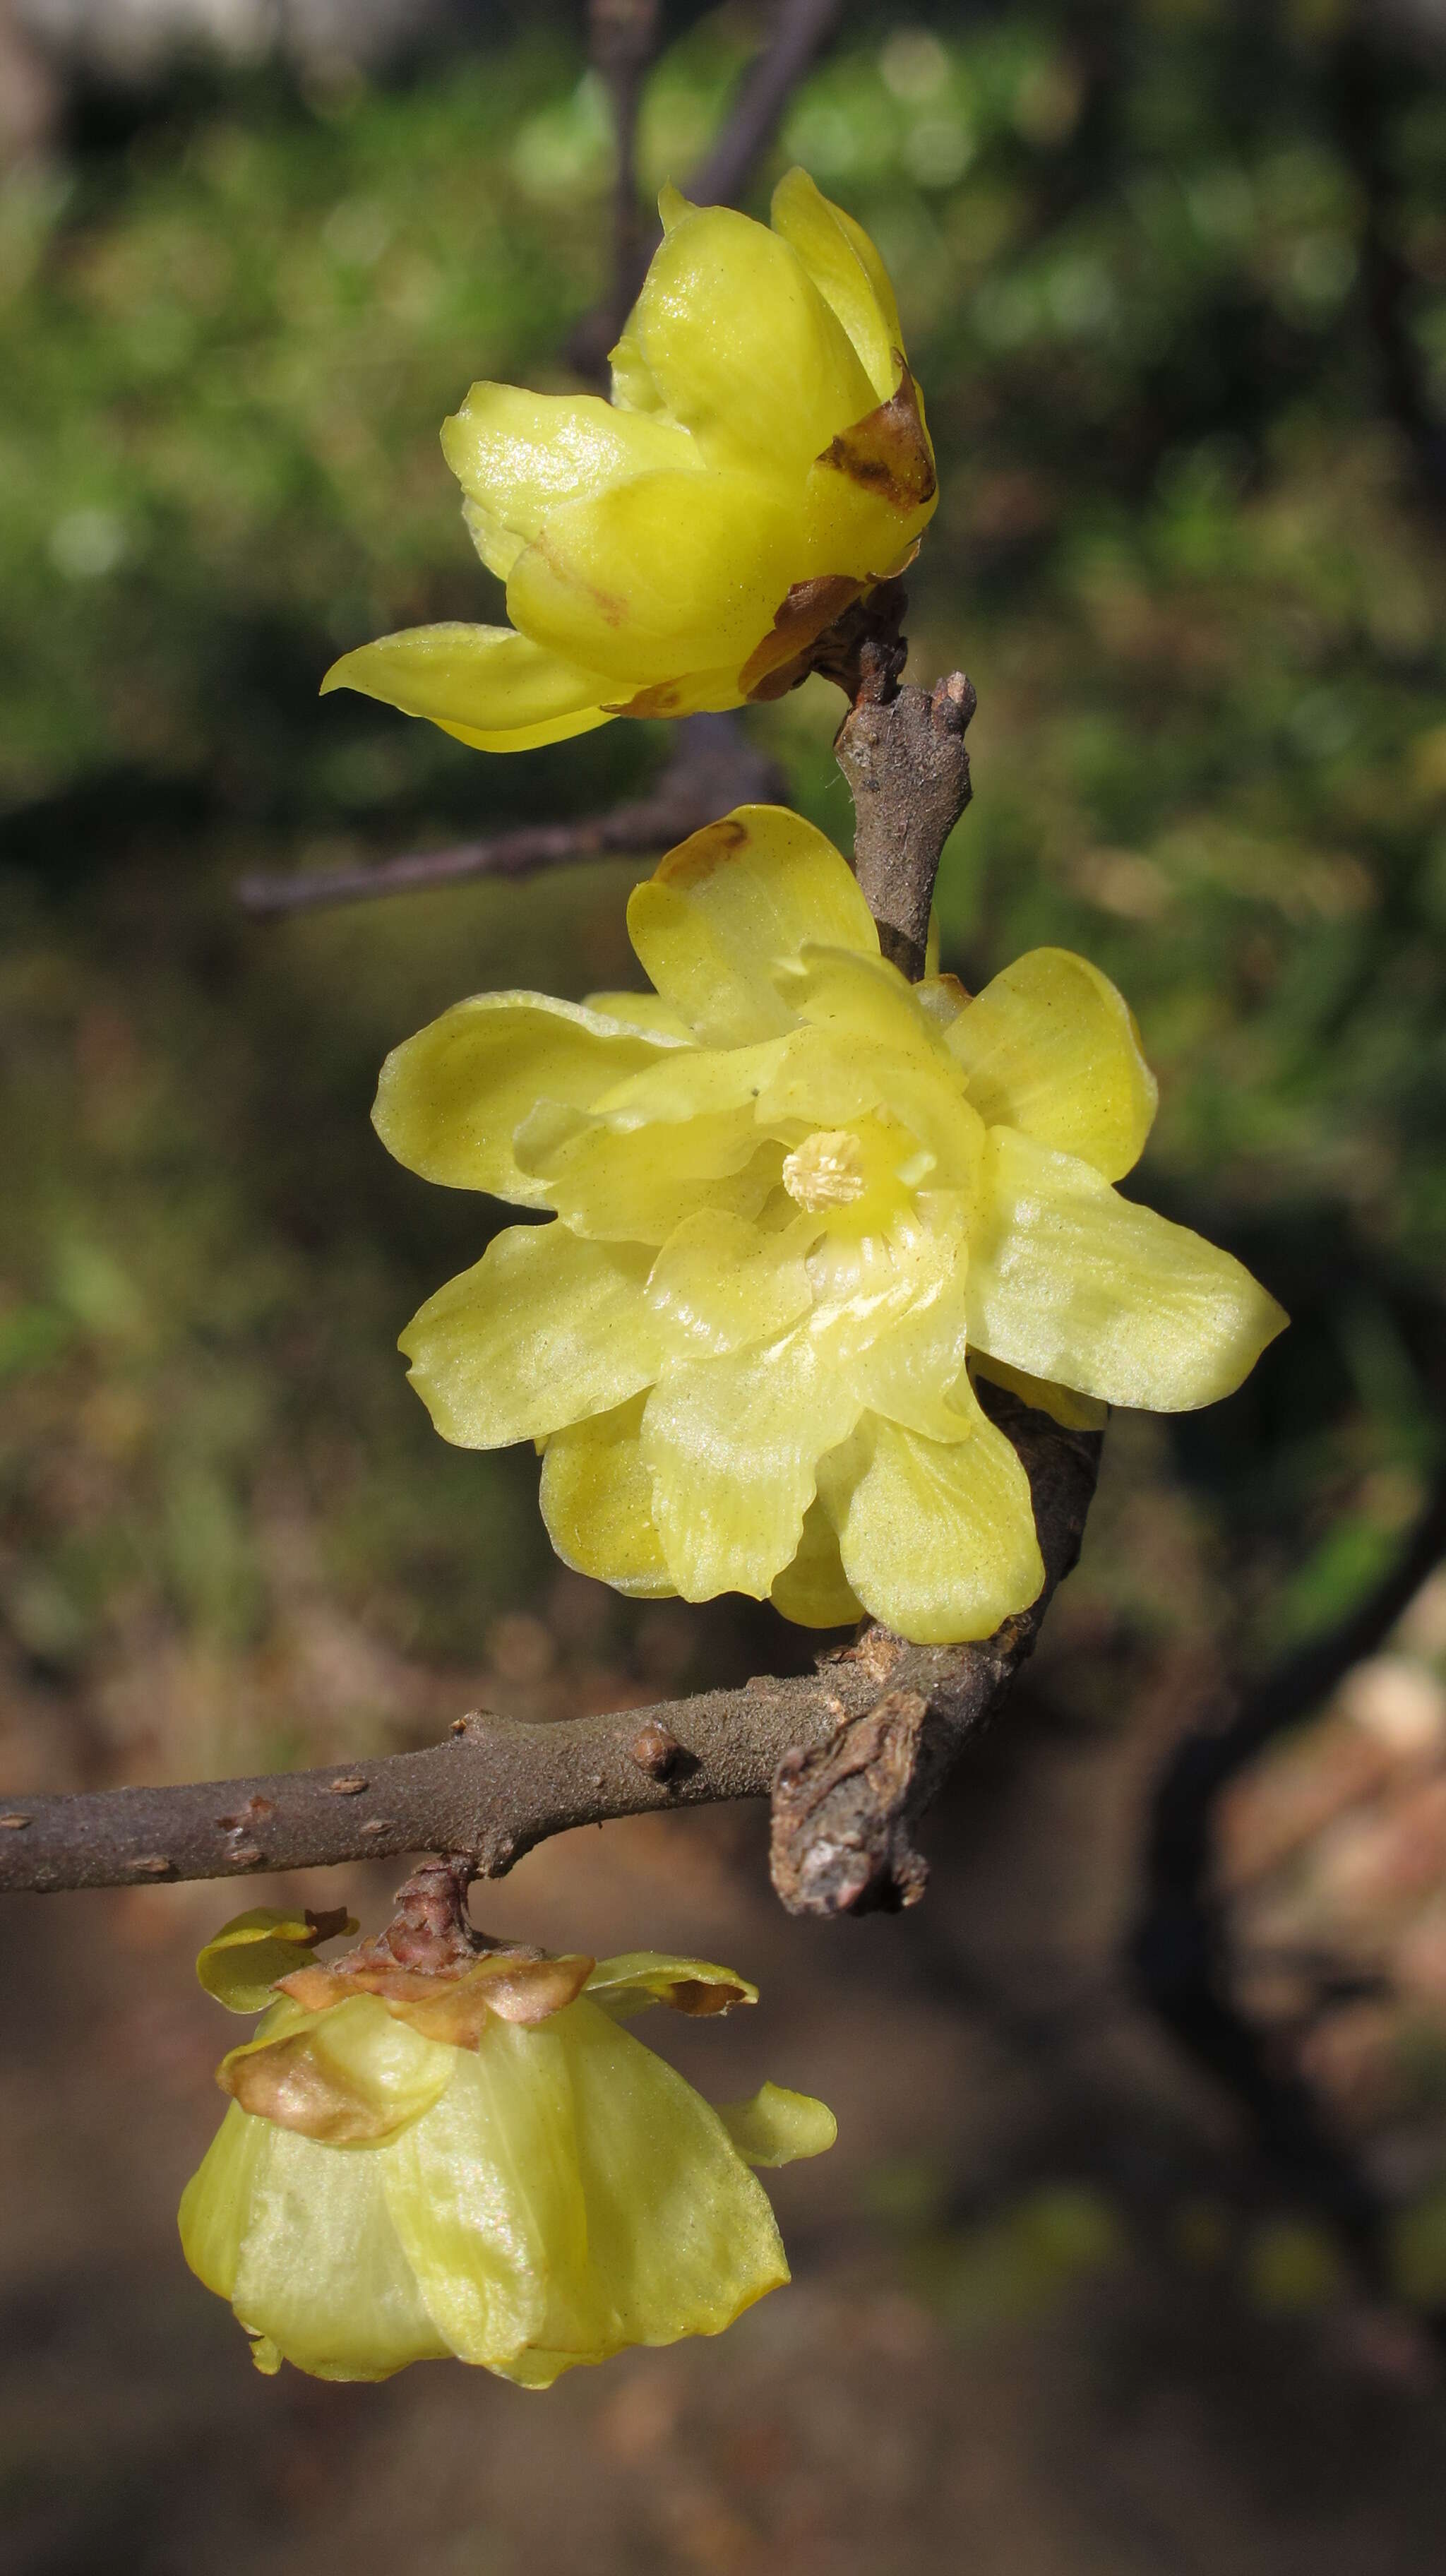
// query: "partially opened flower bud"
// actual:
[[795, 1195], [477, 2161], [763, 461]]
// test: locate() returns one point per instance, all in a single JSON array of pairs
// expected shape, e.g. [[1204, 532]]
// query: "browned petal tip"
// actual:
[[778, 664], [702, 1997], [888, 451]]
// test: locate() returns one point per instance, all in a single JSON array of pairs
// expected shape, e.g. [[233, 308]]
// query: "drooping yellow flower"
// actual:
[[477, 2162], [792, 1193], [763, 460]]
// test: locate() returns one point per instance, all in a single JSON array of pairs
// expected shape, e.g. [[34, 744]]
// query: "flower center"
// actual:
[[827, 1171]]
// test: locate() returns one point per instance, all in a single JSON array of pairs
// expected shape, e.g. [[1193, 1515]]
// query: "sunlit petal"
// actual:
[[1051, 1047], [1075, 1284], [546, 1329]]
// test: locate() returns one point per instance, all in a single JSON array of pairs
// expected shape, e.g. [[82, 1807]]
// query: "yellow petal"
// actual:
[[670, 574], [828, 243], [938, 1541], [519, 455], [873, 1016], [893, 1318], [347, 2077], [813, 1589], [648, 1013], [627, 1985], [1077, 1285], [492, 688], [634, 1184], [216, 2203], [451, 1099], [545, 1329], [1051, 1047], [733, 1444], [242, 1962], [299, 2238], [680, 2236], [728, 908], [597, 1498], [485, 2197], [719, 1282], [778, 2127], [1071, 1411], [531, 737], [741, 345]]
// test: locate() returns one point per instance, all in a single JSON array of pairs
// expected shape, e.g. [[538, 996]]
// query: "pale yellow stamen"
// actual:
[[827, 1171]]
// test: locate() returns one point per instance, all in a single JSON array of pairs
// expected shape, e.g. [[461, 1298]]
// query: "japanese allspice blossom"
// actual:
[[763, 460], [476, 2161], [799, 1206]]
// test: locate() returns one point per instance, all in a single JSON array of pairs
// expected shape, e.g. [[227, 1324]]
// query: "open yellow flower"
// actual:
[[477, 2162], [792, 1192], [763, 461]]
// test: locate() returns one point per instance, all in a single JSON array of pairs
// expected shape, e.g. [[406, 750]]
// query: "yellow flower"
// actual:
[[763, 460], [792, 1191], [477, 2162]]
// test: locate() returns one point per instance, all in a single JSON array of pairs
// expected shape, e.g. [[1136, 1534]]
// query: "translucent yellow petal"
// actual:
[[320, 2269], [532, 737], [520, 455], [681, 2238], [546, 1328], [734, 904], [719, 1282], [670, 574], [646, 1012], [733, 1444], [597, 1496], [348, 2076], [938, 1541], [685, 1083], [741, 345], [498, 545], [216, 2203], [813, 1590], [483, 683], [627, 1985], [485, 2195], [633, 387], [1071, 1411], [242, 1962], [828, 245], [778, 2127], [635, 1184], [1051, 1047], [451, 1099], [892, 1318], [1077, 1285]]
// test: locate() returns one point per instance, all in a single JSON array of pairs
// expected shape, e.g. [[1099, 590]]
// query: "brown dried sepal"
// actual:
[[518, 1985]]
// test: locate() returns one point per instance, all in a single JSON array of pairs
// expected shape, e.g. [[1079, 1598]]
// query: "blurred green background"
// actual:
[[1173, 275]]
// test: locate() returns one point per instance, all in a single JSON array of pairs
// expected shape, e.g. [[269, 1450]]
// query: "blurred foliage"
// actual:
[[1174, 277]]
